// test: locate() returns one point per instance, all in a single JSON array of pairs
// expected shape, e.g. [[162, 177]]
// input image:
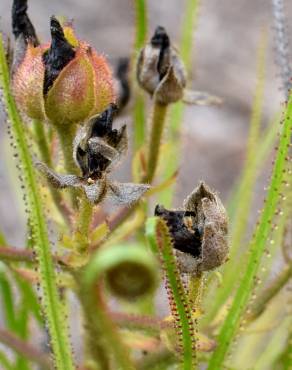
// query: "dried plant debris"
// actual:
[[160, 71], [96, 150], [199, 231]]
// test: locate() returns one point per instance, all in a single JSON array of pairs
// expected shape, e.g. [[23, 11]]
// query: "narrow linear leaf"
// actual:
[[180, 306], [51, 304], [239, 220], [257, 247]]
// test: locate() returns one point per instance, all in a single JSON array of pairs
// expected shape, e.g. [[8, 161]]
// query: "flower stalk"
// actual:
[[158, 122], [45, 154]]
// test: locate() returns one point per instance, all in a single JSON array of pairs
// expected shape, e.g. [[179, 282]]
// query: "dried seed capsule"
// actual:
[[160, 70], [96, 150], [199, 231]]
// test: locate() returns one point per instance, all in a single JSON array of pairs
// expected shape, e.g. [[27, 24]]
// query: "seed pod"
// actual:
[[66, 81], [199, 231], [160, 71]]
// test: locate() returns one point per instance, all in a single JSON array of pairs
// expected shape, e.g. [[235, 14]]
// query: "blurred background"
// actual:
[[224, 64], [226, 43]]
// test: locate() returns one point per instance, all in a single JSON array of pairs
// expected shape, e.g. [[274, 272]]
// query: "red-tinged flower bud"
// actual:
[[28, 81], [66, 81]]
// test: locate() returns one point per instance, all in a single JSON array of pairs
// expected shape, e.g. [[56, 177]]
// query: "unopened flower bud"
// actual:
[[160, 71], [66, 81], [199, 231]]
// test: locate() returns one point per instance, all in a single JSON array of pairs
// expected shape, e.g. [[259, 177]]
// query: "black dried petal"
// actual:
[[185, 239], [21, 24], [102, 126], [58, 56], [122, 74], [97, 163], [161, 39]]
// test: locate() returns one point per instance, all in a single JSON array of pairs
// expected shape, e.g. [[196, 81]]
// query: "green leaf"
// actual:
[[257, 247], [243, 200], [179, 303], [51, 303]]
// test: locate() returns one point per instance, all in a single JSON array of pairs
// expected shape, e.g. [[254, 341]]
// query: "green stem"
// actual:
[[44, 150], [195, 291], [83, 223], [66, 135], [158, 121], [51, 303], [41, 138], [141, 24], [139, 118]]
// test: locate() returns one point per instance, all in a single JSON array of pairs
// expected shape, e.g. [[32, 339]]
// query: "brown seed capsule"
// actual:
[[160, 71], [199, 231]]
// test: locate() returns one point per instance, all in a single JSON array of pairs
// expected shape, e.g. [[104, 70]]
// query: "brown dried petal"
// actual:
[[211, 217], [160, 71], [126, 193], [170, 89]]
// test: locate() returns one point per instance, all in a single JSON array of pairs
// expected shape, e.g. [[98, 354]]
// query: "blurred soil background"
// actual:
[[224, 63]]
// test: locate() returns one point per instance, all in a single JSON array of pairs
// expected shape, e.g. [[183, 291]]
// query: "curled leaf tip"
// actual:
[[129, 271]]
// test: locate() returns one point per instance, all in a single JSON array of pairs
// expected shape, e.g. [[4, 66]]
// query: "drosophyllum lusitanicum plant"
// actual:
[[228, 306]]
